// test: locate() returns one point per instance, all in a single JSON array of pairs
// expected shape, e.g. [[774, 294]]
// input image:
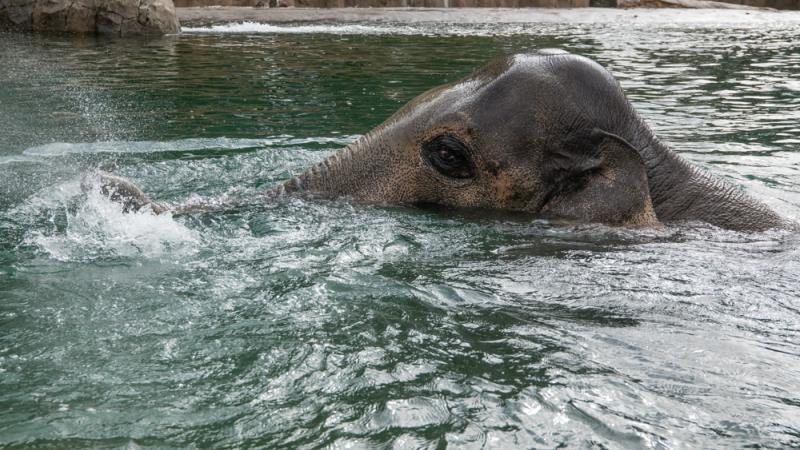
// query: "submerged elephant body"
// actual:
[[546, 132]]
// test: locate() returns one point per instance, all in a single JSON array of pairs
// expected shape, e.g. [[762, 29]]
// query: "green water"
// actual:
[[305, 324]]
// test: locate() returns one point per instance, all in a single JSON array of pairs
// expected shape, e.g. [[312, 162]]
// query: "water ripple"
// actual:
[[301, 324]]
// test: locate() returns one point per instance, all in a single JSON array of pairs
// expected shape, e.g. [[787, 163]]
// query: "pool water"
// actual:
[[305, 324]]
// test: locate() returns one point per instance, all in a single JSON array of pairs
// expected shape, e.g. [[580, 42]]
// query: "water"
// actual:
[[301, 324]]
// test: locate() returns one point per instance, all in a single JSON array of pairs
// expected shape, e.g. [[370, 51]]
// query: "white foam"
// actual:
[[413, 29], [99, 229], [265, 28]]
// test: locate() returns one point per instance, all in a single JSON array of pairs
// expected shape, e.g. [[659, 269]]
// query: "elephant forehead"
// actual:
[[545, 83], [540, 99], [528, 93], [441, 105], [449, 101], [515, 103]]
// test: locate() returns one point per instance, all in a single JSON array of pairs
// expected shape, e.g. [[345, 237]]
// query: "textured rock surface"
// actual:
[[114, 17]]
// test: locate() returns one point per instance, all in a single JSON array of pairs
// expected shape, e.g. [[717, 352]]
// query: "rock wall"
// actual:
[[110, 17]]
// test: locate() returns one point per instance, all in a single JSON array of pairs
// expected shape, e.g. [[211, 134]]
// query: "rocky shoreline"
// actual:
[[108, 17]]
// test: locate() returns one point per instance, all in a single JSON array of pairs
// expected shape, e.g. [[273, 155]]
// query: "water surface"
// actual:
[[300, 324]]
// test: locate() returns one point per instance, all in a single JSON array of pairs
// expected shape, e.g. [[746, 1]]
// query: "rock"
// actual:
[[15, 15], [158, 15], [49, 14], [111, 17], [81, 17]]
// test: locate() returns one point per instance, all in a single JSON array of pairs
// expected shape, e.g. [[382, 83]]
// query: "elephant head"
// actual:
[[514, 135]]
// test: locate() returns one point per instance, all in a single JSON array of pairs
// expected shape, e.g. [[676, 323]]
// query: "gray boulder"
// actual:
[[111, 17]]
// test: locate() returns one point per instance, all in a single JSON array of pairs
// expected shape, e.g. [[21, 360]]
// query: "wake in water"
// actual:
[[300, 323], [70, 225]]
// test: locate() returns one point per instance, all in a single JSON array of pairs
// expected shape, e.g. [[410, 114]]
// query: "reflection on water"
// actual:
[[303, 323]]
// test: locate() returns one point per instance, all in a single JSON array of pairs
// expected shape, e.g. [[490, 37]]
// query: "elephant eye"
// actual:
[[448, 156]]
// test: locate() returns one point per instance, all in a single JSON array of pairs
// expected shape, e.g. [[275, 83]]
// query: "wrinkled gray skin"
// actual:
[[545, 132]]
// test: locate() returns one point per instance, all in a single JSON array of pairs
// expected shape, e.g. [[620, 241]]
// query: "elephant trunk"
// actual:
[[350, 172]]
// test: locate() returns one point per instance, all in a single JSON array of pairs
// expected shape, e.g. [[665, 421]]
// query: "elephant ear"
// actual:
[[598, 177]]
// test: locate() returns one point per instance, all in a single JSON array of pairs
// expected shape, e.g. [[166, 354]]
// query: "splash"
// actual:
[[98, 229]]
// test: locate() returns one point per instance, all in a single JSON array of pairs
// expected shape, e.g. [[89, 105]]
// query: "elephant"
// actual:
[[545, 132]]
